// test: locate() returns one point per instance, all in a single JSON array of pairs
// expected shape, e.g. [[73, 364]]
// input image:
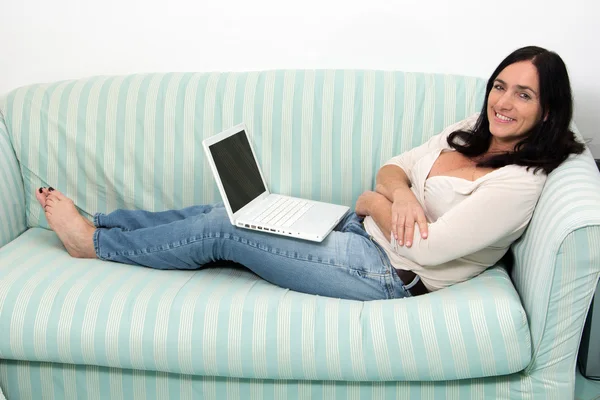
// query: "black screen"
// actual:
[[238, 170]]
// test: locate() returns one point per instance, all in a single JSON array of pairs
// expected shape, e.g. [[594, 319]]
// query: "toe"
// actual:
[[52, 197], [55, 192], [41, 197]]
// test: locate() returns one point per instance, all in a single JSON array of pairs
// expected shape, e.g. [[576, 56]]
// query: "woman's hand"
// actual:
[[406, 210], [364, 203]]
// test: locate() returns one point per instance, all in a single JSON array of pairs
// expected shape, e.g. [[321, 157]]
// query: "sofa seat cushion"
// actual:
[[225, 321]]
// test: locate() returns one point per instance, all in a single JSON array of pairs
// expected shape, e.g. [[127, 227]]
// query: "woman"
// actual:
[[470, 191]]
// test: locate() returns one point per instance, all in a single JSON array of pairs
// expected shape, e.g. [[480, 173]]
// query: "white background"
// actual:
[[42, 41]]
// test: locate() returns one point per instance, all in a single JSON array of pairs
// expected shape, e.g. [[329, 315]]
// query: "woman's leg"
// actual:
[[347, 264], [129, 220]]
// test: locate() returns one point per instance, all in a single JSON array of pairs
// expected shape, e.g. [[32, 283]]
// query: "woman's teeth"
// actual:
[[503, 118]]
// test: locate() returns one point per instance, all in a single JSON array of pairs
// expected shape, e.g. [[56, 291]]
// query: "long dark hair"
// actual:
[[550, 141]]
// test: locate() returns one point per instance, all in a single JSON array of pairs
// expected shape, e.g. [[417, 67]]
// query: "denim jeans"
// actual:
[[347, 264]]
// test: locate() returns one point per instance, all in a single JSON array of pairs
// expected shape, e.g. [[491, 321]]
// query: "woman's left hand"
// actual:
[[365, 202]]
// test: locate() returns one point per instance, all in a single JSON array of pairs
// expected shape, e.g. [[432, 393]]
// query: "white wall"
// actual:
[[44, 41]]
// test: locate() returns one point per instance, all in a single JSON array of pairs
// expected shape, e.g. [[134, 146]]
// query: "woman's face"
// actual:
[[513, 103]]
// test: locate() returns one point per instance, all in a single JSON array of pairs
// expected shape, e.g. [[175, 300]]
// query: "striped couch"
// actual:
[[82, 329]]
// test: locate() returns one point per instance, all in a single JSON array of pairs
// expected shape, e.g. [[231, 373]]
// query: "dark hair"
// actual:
[[550, 141]]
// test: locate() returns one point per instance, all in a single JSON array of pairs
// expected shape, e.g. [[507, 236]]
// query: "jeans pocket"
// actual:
[[353, 223], [382, 254]]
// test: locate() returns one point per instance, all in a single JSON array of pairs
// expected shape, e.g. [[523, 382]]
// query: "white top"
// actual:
[[471, 223]]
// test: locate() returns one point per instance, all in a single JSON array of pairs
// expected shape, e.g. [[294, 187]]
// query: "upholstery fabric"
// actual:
[[12, 200], [228, 322], [135, 142]]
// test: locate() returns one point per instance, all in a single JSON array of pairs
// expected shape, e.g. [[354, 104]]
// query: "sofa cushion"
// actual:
[[225, 321]]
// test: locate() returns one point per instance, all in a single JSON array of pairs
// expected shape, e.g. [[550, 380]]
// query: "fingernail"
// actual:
[[408, 244], [400, 243], [424, 236], [40, 190], [50, 188]]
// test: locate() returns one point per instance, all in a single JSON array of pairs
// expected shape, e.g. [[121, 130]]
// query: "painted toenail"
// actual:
[[50, 188]]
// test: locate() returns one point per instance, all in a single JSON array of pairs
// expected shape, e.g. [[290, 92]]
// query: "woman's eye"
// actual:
[[498, 87], [525, 96]]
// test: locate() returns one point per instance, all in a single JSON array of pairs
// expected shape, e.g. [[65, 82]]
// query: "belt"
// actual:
[[408, 278]]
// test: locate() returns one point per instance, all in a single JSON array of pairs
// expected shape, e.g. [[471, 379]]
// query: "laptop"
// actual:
[[250, 204]]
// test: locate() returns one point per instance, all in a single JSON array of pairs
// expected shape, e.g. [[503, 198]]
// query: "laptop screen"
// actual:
[[237, 169]]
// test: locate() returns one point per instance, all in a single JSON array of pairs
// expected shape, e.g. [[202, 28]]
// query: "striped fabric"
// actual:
[[557, 264], [570, 202], [229, 322], [12, 201], [135, 142], [32, 380]]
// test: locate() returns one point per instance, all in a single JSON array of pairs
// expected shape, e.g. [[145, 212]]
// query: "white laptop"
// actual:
[[247, 198]]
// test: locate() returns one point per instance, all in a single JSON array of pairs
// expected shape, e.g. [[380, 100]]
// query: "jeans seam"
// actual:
[[97, 220], [388, 279], [268, 249], [97, 243], [393, 272]]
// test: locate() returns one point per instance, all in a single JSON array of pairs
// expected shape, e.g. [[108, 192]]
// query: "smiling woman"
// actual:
[[525, 116], [513, 105], [461, 199]]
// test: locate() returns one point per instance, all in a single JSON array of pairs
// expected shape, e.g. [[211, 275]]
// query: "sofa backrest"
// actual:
[[12, 201], [135, 141]]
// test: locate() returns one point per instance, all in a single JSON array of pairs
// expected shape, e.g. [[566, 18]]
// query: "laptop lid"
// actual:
[[236, 170]]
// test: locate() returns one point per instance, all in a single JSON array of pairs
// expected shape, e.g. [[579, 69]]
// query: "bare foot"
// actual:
[[42, 194], [74, 231]]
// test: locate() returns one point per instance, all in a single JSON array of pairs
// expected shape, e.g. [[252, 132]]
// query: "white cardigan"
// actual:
[[471, 223]]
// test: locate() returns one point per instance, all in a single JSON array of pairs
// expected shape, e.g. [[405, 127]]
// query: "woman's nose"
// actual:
[[504, 102]]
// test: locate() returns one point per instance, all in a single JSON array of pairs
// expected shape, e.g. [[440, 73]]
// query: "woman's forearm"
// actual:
[[391, 179], [381, 212]]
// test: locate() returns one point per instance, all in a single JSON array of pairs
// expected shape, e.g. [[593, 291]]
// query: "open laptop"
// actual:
[[247, 198]]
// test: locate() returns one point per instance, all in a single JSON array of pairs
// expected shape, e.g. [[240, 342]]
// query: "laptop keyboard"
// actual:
[[284, 212]]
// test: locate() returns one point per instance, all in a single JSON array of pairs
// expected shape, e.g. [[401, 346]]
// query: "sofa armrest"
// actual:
[[557, 261], [12, 195]]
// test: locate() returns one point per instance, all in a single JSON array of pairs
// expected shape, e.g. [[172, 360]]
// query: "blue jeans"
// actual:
[[347, 264]]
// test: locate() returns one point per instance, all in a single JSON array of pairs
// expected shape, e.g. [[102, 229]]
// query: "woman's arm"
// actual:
[[393, 184], [390, 179], [379, 208], [498, 209]]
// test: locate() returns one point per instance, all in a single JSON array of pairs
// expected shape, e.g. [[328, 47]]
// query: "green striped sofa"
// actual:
[[89, 329]]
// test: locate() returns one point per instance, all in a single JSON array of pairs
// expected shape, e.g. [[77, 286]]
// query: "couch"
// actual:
[[89, 329]]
